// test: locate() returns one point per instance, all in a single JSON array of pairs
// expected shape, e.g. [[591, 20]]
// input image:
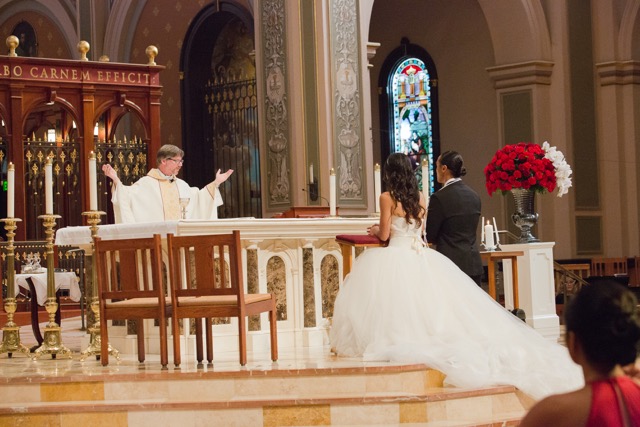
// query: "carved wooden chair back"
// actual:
[[129, 273], [207, 282], [608, 266]]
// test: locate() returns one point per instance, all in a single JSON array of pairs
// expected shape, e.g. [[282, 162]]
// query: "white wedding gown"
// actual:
[[409, 303]]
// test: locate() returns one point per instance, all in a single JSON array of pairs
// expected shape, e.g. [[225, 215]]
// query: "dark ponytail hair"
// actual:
[[403, 186], [605, 320], [453, 161]]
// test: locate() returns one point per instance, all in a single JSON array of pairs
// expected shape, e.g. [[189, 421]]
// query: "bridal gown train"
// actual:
[[409, 303]]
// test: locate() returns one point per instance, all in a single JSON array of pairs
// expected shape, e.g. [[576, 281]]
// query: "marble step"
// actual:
[[379, 395], [465, 412]]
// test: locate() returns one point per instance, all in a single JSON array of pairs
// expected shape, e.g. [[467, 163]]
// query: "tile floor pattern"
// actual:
[[303, 388]]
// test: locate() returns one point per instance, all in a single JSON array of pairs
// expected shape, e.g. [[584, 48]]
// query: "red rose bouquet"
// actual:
[[522, 165]]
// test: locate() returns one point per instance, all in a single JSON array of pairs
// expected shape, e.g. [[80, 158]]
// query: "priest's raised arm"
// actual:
[[157, 196]]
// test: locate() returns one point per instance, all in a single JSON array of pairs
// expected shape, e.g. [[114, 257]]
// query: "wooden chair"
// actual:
[[200, 289], [635, 277], [129, 273], [569, 279], [608, 266], [581, 270]]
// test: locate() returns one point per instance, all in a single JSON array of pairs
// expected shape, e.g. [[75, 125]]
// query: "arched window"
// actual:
[[28, 43], [409, 108]]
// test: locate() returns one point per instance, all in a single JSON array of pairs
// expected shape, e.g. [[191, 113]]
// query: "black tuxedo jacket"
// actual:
[[452, 223]]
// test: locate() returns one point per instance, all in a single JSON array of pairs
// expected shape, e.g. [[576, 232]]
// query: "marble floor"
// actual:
[[74, 339]]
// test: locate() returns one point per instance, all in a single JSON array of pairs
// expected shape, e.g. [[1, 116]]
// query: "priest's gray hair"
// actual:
[[168, 151]]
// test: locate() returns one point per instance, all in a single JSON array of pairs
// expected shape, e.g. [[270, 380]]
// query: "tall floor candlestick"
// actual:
[[95, 338], [11, 331], [52, 341]]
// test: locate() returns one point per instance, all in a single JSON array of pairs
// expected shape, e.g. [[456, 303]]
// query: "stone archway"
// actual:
[[523, 37], [219, 106]]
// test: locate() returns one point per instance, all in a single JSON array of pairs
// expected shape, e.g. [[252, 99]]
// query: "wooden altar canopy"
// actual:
[[82, 93]]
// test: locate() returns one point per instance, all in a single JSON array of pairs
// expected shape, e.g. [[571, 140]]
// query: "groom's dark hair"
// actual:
[[453, 161]]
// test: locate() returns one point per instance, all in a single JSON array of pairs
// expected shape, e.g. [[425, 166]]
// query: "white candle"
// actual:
[[311, 173], [488, 235], [93, 183], [425, 178], [482, 231], [11, 190], [48, 187], [496, 230], [332, 193], [377, 186]]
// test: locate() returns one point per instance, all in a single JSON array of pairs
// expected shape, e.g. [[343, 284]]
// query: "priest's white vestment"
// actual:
[[156, 197]]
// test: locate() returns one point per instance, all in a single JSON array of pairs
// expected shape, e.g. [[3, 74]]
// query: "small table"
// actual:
[[36, 284], [349, 241], [494, 256]]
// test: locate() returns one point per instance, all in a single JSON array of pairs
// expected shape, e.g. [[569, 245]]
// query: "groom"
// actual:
[[453, 215]]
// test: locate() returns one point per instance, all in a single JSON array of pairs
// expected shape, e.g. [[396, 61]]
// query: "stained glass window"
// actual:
[[412, 115]]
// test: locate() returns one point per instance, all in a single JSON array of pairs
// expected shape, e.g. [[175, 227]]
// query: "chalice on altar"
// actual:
[[184, 202]]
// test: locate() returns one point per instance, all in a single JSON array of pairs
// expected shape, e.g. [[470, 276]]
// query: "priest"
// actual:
[[157, 196]]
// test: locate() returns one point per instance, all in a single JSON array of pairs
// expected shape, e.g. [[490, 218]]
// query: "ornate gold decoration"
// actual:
[[151, 52], [12, 44], [11, 332], [83, 48], [52, 341], [95, 339]]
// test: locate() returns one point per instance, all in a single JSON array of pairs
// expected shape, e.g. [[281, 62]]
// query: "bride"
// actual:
[[408, 303]]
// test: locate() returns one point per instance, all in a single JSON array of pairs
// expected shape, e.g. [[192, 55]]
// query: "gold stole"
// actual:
[[169, 193]]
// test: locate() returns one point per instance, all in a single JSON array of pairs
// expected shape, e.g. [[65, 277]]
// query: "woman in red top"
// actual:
[[603, 336]]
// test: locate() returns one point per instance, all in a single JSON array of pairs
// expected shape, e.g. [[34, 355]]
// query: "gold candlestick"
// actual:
[[52, 341], [11, 332], [95, 339]]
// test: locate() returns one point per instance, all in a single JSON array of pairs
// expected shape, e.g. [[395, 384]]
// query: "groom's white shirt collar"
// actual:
[[451, 181]]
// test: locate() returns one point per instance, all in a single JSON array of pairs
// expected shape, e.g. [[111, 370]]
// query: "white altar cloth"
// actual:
[[63, 280], [81, 236], [250, 228]]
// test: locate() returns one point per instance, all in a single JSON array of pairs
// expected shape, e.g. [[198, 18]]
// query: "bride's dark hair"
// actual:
[[403, 186]]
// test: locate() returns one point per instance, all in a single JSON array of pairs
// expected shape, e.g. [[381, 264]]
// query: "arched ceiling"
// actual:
[[629, 36], [518, 29], [124, 16], [61, 12]]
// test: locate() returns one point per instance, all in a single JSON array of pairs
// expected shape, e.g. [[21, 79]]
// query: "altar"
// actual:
[[297, 259]]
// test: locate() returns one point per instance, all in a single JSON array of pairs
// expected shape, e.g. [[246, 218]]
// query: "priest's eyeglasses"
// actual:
[[178, 161]]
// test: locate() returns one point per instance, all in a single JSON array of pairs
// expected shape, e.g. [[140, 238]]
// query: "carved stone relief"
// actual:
[[276, 114], [346, 99]]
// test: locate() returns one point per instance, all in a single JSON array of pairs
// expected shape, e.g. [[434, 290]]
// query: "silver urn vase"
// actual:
[[525, 218]]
